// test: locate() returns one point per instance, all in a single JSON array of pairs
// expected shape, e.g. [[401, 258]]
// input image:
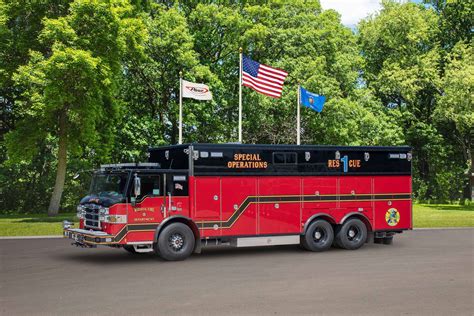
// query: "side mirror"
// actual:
[[137, 183]]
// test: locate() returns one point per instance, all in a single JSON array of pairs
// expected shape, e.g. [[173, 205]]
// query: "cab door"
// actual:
[[147, 208], [176, 195]]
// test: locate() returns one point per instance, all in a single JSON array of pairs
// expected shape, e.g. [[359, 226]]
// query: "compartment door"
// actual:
[[239, 210], [279, 203], [207, 200]]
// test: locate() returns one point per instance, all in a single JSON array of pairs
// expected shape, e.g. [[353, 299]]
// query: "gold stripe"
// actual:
[[302, 196]]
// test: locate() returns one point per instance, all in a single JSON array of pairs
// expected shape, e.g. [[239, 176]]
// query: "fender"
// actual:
[[324, 215], [357, 214], [181, 219]]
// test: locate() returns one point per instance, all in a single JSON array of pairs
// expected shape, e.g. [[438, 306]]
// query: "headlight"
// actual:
[[80, 211], [104, 211]]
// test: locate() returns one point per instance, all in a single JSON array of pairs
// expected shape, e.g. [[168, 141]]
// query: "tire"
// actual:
[[176, 242], [319, 236], [388, 240], [352, 234], [130, 249]]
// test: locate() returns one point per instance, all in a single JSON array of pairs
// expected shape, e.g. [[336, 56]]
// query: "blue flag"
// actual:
[[312, 100]]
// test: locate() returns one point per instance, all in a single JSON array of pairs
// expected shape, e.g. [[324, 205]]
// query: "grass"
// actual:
[[443, 215], [33, 224], [424, 215]]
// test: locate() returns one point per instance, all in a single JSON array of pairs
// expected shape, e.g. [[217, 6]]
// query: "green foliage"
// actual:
[[405, 77], [403, 49], [71, 80], [401, 54], [76, 80], [455, 24], [456, 105]]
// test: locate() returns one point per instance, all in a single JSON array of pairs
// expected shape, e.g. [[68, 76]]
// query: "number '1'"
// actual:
[[345, 161]]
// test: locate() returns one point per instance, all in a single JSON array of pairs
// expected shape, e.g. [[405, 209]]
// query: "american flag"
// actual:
[[262, 78]]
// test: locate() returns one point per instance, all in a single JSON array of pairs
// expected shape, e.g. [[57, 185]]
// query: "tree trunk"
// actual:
[[61, 169], [471, 173]]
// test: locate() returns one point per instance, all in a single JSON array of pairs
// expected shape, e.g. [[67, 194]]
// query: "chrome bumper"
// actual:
[[83, 236]]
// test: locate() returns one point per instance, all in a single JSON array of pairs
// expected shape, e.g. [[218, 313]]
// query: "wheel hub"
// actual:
[[352, 233], [317, 235], [176, 242]]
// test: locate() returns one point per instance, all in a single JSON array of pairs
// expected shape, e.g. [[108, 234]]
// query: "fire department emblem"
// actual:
[[392, 217]]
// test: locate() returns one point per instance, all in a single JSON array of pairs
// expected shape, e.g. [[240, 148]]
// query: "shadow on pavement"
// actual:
[[119, 256]]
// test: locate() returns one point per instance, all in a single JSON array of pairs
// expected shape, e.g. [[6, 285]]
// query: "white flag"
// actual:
[[196, 91]]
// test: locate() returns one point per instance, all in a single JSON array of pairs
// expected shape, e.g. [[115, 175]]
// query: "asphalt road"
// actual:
[[423, 272]]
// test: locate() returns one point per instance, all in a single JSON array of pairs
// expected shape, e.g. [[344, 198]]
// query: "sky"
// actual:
[[352, 11]]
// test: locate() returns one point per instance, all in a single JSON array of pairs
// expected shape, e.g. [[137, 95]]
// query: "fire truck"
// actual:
[[193, 195]]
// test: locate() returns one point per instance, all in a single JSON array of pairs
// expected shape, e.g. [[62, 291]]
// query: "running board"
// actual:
[[267, 241], [143, 248]]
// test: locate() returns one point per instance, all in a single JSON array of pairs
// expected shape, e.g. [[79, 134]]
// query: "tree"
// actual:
[[455, 22], [69, 93], [21, 22], [20, 25], [150, 86], [402, 66], [456, 105]]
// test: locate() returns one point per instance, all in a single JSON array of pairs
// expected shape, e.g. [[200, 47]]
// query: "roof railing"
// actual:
[[150, 165]]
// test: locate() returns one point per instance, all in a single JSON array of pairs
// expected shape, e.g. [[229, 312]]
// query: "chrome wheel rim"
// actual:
[[176, 242]]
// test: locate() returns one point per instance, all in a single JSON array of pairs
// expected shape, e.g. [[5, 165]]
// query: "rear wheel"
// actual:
[[352, 234], [176, 242], [318, 237]]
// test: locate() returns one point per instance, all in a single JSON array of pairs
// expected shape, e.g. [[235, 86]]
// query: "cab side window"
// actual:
[[150, 186], [177, 185]]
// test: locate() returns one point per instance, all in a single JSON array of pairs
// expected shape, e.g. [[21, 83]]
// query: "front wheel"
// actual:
[[176, 242], [352, 234], [318, 237]]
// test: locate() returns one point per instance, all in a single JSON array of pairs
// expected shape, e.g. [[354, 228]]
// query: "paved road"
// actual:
[[423, 272]]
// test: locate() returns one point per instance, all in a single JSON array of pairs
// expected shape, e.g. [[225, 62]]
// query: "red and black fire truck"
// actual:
[[193, 195]]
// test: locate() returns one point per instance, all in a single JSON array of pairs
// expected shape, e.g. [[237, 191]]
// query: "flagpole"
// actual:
[[180, 141], [298, 124], [240, 95]]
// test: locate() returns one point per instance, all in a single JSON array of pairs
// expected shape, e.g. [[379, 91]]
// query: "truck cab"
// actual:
[[126, 203]]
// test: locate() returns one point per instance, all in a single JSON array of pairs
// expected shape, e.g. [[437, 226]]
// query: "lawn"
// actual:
[[33, 224], [424, 215], [443, 215]]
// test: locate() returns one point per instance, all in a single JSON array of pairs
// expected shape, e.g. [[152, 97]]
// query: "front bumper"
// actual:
[[83, 236]]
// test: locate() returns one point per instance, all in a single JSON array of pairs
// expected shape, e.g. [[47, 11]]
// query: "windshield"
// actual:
[[111, 185]]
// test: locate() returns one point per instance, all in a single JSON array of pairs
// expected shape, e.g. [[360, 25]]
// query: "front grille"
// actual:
[[91, 218]]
